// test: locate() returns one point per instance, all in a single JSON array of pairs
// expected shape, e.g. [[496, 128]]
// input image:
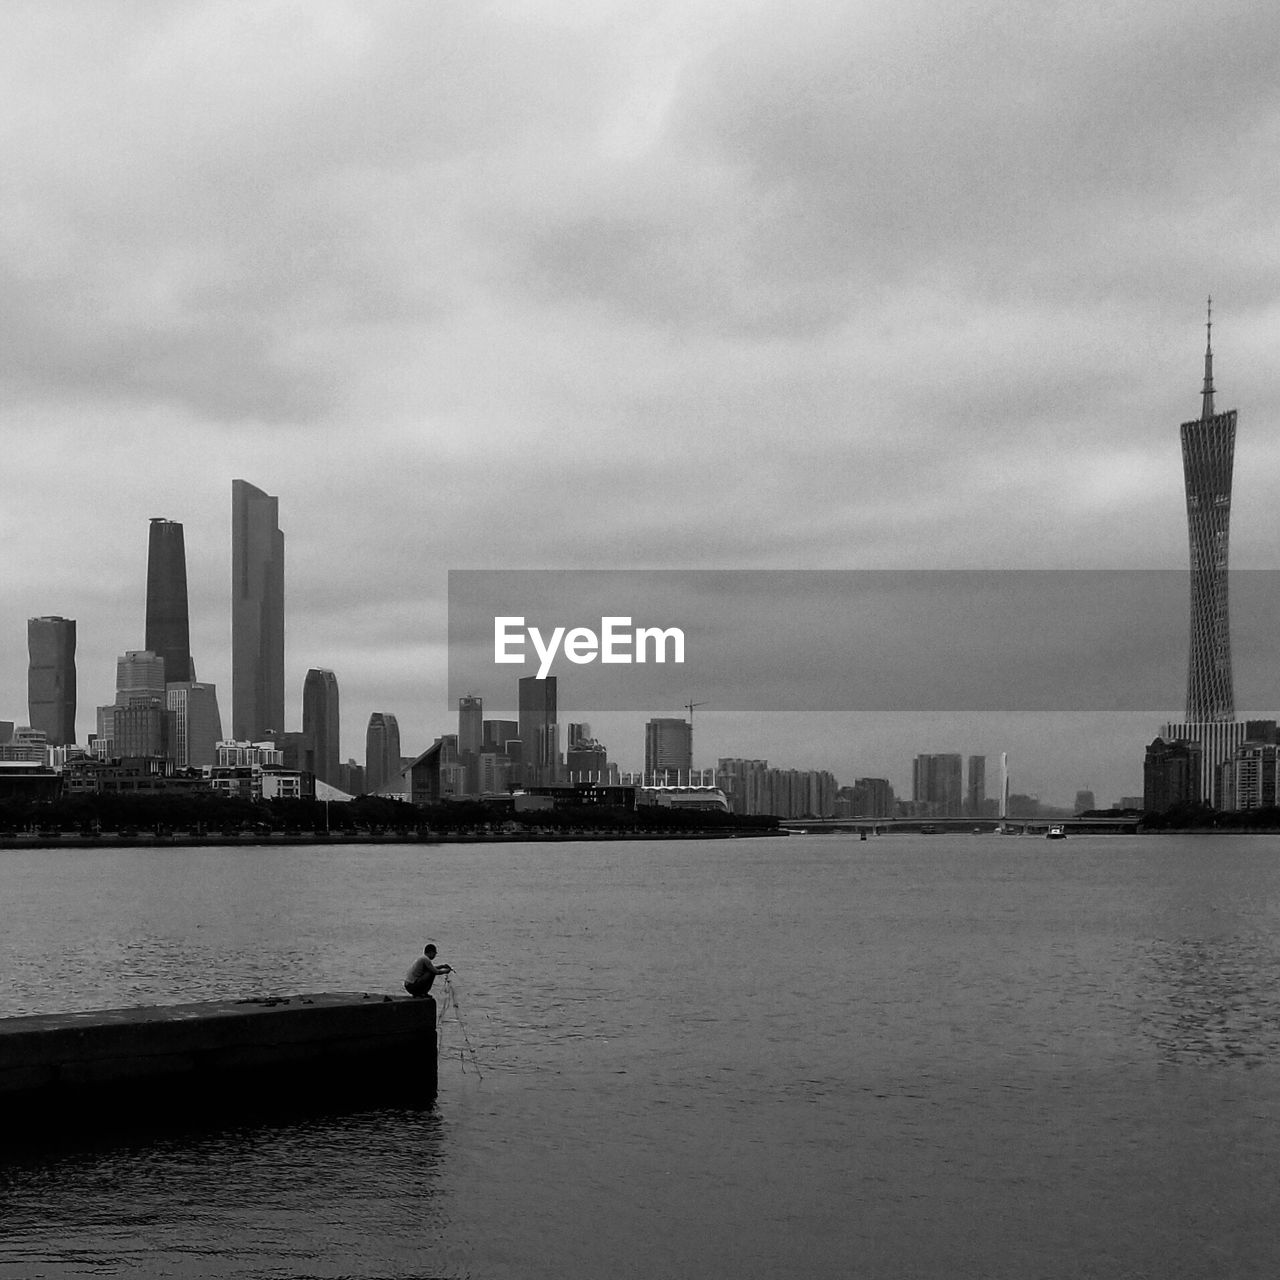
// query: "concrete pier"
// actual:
[[122, 1067]]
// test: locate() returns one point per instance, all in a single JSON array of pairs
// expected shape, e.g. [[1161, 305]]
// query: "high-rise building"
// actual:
[[470, 723], [1171, 774], [198, 723], [743, 781], [144, 727], [168, 627], [976, 796], [382, 754], [1208, 449], [140, 677], [1250, 777], [351, 779], [750, 787], [257, 614], [1218, 741], [26, 744], [668, 747], [539, 732], [297, 752], [586, 760], [495, 773], [51, 678], [497, 733], [872, 798], [320, 721], [470, 740], [936, 785]]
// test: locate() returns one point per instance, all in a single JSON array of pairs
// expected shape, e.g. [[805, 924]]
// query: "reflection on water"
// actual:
[[1212, 1000]]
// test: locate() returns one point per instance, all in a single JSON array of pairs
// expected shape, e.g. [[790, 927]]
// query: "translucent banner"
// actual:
[[852, 640]]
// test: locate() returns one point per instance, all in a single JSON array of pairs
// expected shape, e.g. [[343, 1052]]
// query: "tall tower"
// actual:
[[382, 754], [1208, 450], [539, 731], [320, 722], [168, 629], [257, 614], [51, 678], [470, 723]]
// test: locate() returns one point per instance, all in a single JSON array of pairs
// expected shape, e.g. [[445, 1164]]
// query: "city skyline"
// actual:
[[643, 309], [886, 761]]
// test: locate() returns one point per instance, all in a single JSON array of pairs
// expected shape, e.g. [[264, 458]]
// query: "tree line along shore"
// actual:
[[211, 819]]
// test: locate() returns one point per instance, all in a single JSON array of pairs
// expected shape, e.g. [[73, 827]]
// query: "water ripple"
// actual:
[[1213, 1000]]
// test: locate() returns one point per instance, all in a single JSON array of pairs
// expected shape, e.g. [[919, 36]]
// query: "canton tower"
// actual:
[[1208, 448]]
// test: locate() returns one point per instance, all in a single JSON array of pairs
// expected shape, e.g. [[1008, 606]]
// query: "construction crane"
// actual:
[[689, 706]]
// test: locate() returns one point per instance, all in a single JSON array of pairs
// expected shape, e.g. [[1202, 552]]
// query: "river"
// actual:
[[914, 1056]]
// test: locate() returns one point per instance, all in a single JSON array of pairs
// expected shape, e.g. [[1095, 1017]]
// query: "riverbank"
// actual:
[[187, 840]]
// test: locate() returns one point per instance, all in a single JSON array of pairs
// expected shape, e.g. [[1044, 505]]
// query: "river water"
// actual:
[[938, 1056]]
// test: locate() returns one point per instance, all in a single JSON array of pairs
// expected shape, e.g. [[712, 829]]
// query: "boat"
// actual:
[[1056, 832]]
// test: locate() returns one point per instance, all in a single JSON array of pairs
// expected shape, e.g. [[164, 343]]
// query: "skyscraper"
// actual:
[[586, 760], [168, 628], [539, 731], [51, 678], [140, 677], [257, 614], [198, 722], [497, 733], [1208, 449], [976, 800], [321, 723], [936, 786], [470, 723], [382, 754], [470, 740], [1171, 774], [145, 727], [668, 747]]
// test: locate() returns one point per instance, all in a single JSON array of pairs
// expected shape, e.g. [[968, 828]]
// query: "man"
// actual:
[[422, 972]]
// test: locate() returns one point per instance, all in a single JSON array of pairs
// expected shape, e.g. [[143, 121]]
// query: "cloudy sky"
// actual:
[[581, 284]]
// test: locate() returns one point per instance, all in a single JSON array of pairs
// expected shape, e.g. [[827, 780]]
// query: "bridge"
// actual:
[[1119, 824]]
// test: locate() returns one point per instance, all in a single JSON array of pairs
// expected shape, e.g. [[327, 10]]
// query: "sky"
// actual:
[[579, 284]]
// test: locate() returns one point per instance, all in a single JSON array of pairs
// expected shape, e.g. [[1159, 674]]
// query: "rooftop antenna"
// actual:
[[1206, 409]]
